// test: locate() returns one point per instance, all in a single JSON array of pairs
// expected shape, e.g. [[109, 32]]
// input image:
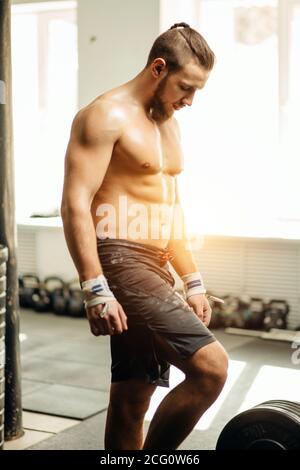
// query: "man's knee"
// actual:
[[210, 364]]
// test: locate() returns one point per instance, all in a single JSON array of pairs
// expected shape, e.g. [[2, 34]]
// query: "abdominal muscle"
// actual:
[[140, 212]]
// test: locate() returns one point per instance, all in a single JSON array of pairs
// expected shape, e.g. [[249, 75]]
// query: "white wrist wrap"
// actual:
[[96, 291], [193, 284]]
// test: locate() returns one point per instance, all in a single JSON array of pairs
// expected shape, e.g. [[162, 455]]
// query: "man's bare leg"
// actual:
[[178, 413], [129, 401]]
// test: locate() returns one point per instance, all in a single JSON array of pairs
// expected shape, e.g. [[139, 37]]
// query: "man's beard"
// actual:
[[159, 112]]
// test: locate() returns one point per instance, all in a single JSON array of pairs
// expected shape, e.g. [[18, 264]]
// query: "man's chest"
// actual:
[[150, 149]]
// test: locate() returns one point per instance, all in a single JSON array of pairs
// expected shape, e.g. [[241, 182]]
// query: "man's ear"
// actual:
[[159, 66]]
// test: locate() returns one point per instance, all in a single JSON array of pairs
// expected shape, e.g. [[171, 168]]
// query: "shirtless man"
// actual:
[[123, 157]]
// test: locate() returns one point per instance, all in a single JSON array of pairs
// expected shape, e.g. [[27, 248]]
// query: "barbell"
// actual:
[[271, 425]]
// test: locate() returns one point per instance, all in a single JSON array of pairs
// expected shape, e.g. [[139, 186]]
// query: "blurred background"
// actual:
[[240, 186], [239, 190], [238, 177]]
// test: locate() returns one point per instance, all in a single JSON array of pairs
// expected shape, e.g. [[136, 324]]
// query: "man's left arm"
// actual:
[[184, 263]]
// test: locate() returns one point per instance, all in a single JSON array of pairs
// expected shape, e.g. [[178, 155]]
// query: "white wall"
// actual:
[[114, 39], [32, 1]]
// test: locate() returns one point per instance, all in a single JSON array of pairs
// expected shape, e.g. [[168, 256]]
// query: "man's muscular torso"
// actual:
[[144, 163]]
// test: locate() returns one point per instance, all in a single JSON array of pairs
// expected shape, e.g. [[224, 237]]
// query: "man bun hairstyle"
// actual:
[[179, 45], [180, 25]]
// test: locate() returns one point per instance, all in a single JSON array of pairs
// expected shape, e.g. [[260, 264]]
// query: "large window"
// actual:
[[44, 64], [289, 163], [238, 179]]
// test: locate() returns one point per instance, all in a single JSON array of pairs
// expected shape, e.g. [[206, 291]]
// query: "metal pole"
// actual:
[[13, 406]]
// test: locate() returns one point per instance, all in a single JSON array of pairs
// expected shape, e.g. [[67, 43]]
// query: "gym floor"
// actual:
[[66, 376]]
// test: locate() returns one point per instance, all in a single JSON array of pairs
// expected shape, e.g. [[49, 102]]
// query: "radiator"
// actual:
[[42, 250], [267, 268]]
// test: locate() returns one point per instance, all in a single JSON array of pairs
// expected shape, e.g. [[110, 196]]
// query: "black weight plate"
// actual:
[[2, 385], [2, 314], [2, 269], [261, 428], [1, 436], [1, 401], [284, 405], [290, 406], [2, 357], [2, 300], [2, 284], [284, 410], [3, 253], [2, 371], [2, 331]]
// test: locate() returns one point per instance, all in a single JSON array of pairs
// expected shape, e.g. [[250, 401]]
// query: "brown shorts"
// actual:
[[139, 277]]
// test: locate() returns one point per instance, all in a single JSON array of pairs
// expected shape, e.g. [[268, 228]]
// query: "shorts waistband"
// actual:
[[164, 254]]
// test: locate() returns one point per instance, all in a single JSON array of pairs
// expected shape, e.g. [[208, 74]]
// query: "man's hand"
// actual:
[[113, 322], [201, 307]]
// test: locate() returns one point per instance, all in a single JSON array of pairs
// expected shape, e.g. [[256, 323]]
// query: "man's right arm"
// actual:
[[95, 131]]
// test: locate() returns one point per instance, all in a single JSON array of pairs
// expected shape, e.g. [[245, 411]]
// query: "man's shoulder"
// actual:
[[102, 114], [104, 108]]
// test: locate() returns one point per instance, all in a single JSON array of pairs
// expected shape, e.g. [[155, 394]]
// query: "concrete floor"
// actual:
[[66, 377]]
